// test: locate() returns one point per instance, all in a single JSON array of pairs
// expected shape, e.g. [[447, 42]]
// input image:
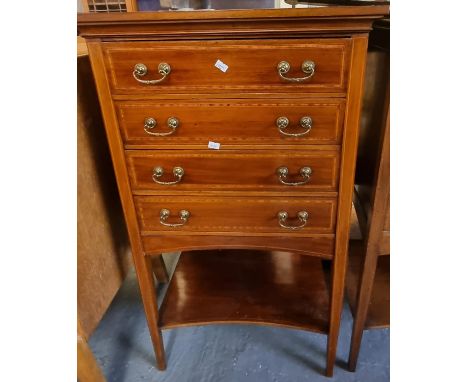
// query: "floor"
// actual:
[[230, 353]]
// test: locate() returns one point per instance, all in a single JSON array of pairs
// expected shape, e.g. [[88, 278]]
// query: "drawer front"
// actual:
[[249, 65], [236, 215], [232, 123], [233, 170]]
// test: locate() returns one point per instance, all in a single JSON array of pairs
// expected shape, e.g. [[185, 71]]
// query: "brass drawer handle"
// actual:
[[305, 172], [158, 172], [308, 67], [302, 216], [150, 124], [141, 70], [164, 215], [283, 122]]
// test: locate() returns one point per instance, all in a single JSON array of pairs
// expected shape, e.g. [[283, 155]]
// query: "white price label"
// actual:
[[214, 145], [221, 66]]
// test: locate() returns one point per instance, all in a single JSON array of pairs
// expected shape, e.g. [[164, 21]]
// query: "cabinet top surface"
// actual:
[[372, 11], [285, 22]]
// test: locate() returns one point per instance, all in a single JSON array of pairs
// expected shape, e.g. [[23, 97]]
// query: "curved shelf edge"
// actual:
[[322, 246], [321, 329]]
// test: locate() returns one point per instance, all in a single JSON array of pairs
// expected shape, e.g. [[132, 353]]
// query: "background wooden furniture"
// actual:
[[245, 213], [368, 280], [103, 249], [88, 368]]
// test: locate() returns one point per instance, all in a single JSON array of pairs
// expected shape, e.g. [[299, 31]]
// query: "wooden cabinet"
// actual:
[[236, 131]]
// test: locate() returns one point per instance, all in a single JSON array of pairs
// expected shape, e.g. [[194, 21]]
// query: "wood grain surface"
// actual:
[[236, 215], [264, 23], [243, 287], [253, 170], [231, 122], [320, 245], [193, 65]]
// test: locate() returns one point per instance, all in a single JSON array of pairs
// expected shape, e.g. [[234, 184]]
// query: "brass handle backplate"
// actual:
[[158, 172], [140, 70], [308, 67], [150, 124], [165, 213], [283, 171], [302, 216], [283, 122]]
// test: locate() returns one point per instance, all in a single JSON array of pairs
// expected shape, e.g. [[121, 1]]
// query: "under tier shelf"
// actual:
[[247, 286]]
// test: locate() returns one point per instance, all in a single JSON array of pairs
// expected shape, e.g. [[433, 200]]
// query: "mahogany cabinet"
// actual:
[[233, 136]]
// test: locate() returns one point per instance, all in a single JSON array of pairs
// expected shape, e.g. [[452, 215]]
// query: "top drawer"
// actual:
[[242, 66]]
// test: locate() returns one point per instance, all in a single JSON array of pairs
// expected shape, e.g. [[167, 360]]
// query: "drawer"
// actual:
[[248, 66], [210, 170], [231, 123], [249, 215]]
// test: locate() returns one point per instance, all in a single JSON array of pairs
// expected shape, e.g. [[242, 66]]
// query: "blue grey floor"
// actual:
[[215, 353]]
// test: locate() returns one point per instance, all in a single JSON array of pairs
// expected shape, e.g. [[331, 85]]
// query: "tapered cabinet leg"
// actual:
[[144, 271], [362, 305], [336, 306], [159, 269]]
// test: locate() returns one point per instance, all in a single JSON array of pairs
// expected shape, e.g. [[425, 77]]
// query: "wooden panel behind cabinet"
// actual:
[[103, 249]]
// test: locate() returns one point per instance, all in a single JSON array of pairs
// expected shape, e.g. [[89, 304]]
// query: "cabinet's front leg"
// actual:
[[337, 281], [144, 271], [159, 269]]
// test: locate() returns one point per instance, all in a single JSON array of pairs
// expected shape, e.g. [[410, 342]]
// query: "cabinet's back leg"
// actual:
[[159, 269]]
